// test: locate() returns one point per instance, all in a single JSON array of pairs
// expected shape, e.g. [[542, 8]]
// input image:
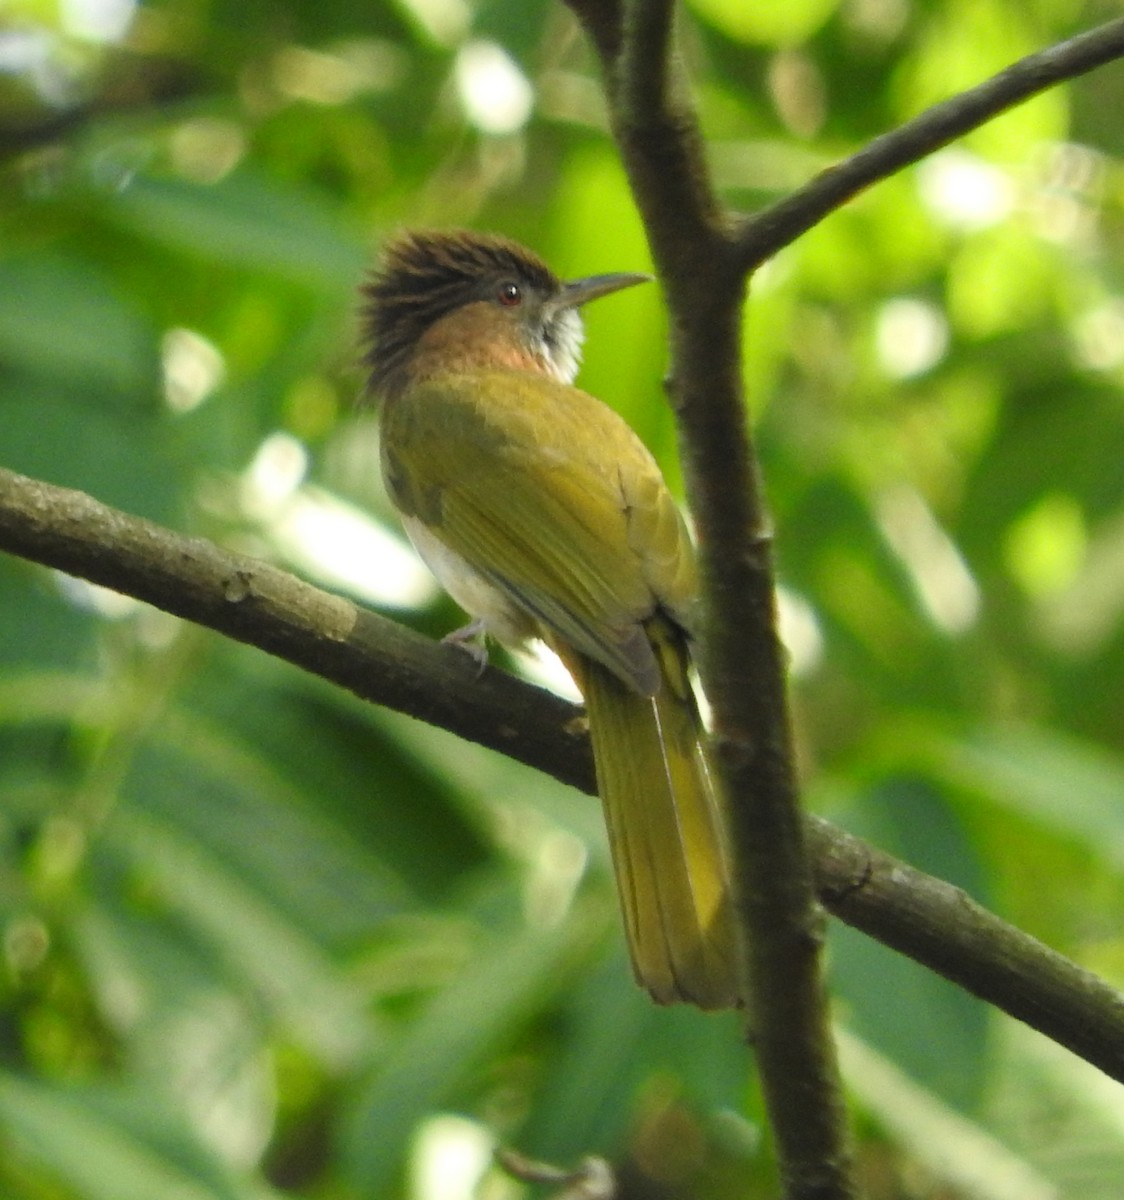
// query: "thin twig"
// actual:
[[925, 918], [763, 234]]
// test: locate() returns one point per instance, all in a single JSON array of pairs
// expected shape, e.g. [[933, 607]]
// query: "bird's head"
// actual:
[[464, 301]]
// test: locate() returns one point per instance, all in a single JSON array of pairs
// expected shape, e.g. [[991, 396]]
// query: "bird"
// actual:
[[543, 515]]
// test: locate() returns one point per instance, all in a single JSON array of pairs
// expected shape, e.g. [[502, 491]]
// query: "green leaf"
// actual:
[[356, 778], [955, 1149], [613, 1045], [774, 24], [1065, 785], [72, 324], [248, 221], [477, 1014], [96, 1142], [42, 629], [74, 439], [253, 941], [934, 1031], [238, 806]]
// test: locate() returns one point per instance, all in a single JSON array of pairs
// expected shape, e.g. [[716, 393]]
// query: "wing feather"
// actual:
[[521, 487]]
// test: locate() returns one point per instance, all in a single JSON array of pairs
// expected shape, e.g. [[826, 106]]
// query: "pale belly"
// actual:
[[482, 600]]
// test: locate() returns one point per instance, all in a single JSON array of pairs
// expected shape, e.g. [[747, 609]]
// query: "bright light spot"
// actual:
[[557, 866], [1063, 208], [1062, 219], [1099, 336], [542, 666], [193, 368], [35, 55], [23, 50], [339, 545], [98, 20], [772, 275], [95, 598], [796, 88], [1082, 616], [277, 470], [445, 21], [570, 96], [153, 629], [156, 630], [965, 191], [326, 538], [381, 63], [205, 149], [940, 577], [62, 848], [800, 631], [337, 77], [911, 337], [496, 95], [450, 1156], [1046, 546], [226, 1096], [879, 19]]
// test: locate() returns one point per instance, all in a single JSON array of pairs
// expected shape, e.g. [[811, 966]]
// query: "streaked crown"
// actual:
[[425, 276]]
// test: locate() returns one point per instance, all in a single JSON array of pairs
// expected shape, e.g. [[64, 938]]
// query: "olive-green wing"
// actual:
[[551, 497]]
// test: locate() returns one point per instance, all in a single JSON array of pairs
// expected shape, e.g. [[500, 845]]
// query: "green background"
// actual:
[[261, 940]]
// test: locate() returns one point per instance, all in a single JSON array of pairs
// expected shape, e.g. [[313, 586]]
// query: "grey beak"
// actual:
[[581, 291]]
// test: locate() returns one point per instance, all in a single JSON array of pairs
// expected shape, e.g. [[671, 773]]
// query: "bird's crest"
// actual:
[[425, 275]]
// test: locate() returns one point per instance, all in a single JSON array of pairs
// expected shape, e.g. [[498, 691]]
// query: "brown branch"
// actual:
[[255, 603], [939, 925], [925, 918], [703, 257], [664, 154], [766, 232], [742, 663], [602, 21]]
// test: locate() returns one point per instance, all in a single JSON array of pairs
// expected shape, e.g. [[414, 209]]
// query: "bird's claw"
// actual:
[[471, 639]]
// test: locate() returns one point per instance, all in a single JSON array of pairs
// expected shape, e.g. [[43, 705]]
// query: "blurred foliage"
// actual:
[[260, 940]]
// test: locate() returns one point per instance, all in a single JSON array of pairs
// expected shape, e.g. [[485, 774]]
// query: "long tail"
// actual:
[[665, 830]]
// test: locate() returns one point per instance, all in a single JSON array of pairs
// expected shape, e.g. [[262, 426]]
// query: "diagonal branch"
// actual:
[[763, 234], [936, 923], [253, 602], [925, 918]]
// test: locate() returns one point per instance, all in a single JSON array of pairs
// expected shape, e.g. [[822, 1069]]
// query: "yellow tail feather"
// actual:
[[665, 830]]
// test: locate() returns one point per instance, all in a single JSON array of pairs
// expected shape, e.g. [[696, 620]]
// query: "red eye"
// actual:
[[509, 294]]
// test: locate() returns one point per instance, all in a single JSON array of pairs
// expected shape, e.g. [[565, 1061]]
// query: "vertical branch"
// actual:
[[742, 662]]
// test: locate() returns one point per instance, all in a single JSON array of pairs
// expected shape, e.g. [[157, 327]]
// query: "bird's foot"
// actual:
[[471, 639]]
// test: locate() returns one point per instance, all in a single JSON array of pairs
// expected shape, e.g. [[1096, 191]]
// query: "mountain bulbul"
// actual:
[[543, 515]]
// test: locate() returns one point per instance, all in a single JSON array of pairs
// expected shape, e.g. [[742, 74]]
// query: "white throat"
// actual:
[[562, 345]]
